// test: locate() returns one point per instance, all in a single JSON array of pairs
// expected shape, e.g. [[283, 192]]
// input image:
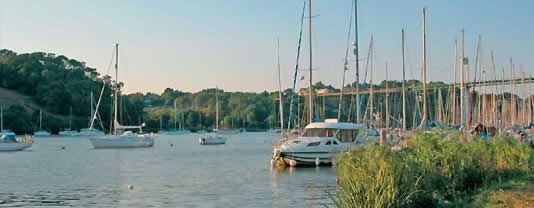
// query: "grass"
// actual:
[[436, 169]]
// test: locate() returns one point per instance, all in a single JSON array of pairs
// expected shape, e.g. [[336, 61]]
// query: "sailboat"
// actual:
[[41, 132], [69, 131], [214, 137], [90, 131], [121, 137], [9, 141], [175, 130]]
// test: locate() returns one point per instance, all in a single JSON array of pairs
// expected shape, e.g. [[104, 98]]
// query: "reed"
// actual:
[[437, 168]]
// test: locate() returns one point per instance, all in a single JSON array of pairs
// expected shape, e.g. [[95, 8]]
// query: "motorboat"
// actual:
[[321, 141], [9, 142], [41, 133], [226, 131], [211, 139]]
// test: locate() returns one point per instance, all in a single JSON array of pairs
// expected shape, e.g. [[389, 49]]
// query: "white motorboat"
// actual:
[[120, 138], [321, 141], [9, 142], [212, 139]]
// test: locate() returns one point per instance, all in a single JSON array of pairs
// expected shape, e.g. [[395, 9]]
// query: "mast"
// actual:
[[502, 98], [512, 97], [175, 118], [70, 119], [356, 54], [462, 84], [115, 104], [403, 86], [310, 39], [92, 111], [216, 108], [494, 93], [387, 98], [371, 112], [40, 119], [454, 83], [280, 100], [424, 68]]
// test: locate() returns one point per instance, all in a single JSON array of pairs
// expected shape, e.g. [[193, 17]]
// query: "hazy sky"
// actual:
[[191, 45]]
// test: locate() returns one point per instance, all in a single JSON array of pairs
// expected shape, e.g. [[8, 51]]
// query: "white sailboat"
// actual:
[[120, 137], [8, 140], [69, 131], [214, 137], [41, 132]]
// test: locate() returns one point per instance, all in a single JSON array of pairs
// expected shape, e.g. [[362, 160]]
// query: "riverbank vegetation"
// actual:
[[432, 169]]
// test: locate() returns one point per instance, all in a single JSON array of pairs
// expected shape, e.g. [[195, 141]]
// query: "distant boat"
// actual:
[[8, 139], [175, 130], [41, 132], [69, 131], [9, 142], [212, 139], [120, 137]]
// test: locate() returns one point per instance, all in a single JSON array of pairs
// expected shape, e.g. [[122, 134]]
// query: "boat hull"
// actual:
[[68, 133], [11, 147], [306, 158], [111, 142], [212, 141]]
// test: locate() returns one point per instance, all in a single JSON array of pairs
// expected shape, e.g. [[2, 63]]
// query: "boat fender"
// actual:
[[292, 163], [317, 161]]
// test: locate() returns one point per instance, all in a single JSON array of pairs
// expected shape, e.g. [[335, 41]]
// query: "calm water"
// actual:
[[237, 174]]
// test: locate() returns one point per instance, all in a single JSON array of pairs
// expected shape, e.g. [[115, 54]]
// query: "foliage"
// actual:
[[436, 169]]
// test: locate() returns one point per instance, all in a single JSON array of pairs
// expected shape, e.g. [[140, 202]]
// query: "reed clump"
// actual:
[[432, 169]]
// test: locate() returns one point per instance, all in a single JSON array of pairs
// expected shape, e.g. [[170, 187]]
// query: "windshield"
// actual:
[[319, 133]]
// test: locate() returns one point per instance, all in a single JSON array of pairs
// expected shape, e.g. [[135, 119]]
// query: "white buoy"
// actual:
[[317, 161], [292, 163], [272, 162]]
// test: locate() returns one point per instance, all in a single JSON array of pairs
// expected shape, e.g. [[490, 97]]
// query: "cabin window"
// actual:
[[319, 133], [334, 142], [314, 144], [328, 143], [296, 142], [347, 135]]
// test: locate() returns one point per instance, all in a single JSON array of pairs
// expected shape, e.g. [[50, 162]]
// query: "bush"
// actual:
[[433, 169]]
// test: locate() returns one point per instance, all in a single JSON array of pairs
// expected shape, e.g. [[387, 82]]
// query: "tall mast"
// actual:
[[40, 119], [92, 111], [424, 68], [371, 112], [280, 100], [502, 98], [512, 97], [454, 83], [216, 108], [311, 85], [462, 84], [356, 54], [115, 105], [175, 118], [387, 98], [493, 95], [70, 118], [403, 86], [345, 68]]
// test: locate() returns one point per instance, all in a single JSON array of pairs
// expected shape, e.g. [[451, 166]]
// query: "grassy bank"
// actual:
[[437, 169]]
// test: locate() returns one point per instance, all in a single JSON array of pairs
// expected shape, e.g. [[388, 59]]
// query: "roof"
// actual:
[[334, 125]]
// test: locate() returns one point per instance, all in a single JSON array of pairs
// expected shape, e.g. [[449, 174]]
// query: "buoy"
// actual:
[[130, 187], [292, 163], [63, 147], [317, 161], [172, 145]]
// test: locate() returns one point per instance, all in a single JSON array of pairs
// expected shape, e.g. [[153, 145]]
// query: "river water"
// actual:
[[186, 174]]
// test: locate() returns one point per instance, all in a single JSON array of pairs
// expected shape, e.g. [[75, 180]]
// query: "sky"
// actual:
[[231, 44]]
